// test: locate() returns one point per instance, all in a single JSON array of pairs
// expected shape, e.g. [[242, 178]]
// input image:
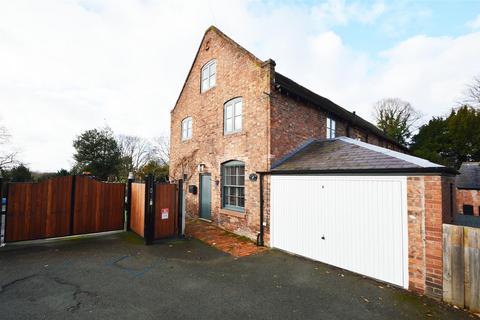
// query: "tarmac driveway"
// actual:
[[117, 277]]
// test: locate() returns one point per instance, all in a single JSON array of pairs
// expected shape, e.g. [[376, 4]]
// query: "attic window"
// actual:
[[331, 128], [209, 74], [187, 128]]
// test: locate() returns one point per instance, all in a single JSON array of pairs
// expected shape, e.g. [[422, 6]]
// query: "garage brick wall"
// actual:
[[429, 206], [469, 197]]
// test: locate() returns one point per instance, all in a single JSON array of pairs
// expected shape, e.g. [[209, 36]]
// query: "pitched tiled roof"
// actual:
[[469, 177], [291, 86], [348, 155]]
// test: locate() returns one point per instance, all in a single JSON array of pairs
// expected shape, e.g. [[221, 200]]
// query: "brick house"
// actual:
[[242, 133], [468, 189]]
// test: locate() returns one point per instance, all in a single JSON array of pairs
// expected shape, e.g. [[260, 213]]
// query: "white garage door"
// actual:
[[358, 223]]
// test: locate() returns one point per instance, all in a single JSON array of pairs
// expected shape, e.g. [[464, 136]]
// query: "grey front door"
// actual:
[[205, 197]]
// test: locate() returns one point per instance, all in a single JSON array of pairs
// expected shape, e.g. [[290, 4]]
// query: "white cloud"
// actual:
[[340, 12], [68, 66], [475, 23]]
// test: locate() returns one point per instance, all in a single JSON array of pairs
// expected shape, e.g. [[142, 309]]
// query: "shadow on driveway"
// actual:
[[116, 276]]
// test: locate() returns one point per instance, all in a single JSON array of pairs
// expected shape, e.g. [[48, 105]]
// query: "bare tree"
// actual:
[[135, 152], [7, 155], [472, 94], [161, 149], [396, 118]]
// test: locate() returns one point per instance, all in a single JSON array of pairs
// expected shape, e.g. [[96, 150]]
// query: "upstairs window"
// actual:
[[233, 185], [331, 127], [209, 74], [187, 128], [233, 114]]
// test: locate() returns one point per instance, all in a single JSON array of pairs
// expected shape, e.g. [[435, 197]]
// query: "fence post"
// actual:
[[129, 200], [72, 206], [2, 214], [149, 209]]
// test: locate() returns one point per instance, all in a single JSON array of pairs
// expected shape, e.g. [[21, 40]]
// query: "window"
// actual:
[[330, 128], [233, 180], [209, 73], [187, 128], [468, 209], [233, 116]]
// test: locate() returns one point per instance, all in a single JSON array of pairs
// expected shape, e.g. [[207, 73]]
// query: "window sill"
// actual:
[[233, 134], [232, 213], [207, 90]]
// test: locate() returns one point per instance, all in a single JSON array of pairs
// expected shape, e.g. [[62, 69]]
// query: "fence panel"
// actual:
[[38, 210], [461, 266], [99, 206], [166, 210], [453, 268], [137, 211], [472, 268]]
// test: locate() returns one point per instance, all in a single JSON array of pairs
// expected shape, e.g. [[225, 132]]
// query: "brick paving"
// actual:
[[225, 241]]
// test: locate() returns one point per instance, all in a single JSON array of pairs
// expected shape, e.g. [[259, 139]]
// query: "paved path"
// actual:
[[228, 242], [117, 277]]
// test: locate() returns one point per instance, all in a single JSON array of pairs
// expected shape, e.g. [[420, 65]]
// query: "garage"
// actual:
[[358, 223], [362, 208]]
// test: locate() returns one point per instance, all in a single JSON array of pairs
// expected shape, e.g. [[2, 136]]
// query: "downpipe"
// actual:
[[260, 235]]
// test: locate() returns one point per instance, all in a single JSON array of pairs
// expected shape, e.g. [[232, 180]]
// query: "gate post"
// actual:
[[180, 207], [149, 209], [2, 214], [129, 200]]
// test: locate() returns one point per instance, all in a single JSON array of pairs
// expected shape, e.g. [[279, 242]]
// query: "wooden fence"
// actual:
[[137, 208], [154, 209], [461, 266], [38, 210], [63, 206]]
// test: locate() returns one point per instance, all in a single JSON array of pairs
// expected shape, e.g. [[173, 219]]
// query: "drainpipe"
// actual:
[[260, 235]]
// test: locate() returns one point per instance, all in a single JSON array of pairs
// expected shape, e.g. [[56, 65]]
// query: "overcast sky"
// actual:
[[69, 66]]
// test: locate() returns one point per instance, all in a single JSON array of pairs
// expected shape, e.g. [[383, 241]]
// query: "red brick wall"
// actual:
[[293, 122], [416, 233], [239, 74], [428, 206], [470, 197]]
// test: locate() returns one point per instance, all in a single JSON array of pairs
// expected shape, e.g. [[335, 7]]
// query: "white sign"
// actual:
[[165, 214]]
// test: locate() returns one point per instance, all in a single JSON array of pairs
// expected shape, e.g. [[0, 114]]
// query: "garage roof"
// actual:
[[344, 154], [469, 177]]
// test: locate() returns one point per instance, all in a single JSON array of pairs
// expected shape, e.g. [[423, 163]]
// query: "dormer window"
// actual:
[[209, 74], [331, 126], [187, 128]]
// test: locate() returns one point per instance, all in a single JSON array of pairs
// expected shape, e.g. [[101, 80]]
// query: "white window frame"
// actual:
[[187, 128], [208, 76], [233, 185], [233, 116], [331, 128]]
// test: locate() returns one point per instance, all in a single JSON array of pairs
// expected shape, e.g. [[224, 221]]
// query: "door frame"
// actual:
[[200, 195]]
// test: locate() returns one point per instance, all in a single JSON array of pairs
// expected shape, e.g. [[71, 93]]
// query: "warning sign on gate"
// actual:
[[165, 214]]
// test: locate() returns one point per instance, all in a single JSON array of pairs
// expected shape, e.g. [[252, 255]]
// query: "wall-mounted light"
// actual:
[[201, 167]]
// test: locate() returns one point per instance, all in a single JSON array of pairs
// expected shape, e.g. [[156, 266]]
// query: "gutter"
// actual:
[[437, 170]]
